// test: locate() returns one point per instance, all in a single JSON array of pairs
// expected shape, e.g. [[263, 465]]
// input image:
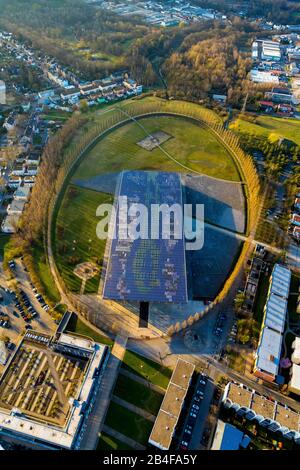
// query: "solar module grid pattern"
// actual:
[[147, 269]]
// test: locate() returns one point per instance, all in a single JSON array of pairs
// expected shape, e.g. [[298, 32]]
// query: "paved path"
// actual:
[[142, 381], [127, 440], [97, 417], [135, 409]]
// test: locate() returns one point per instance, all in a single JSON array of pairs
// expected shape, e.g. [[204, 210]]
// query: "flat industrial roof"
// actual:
[[165, 423], [147, 269], [275, 312], [268, 352], [280, 281]]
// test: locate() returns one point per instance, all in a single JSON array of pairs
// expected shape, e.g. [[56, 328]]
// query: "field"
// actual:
[[192, 146], [128, 423], [76, 239], [144, 390], [190, 149], [269, 127], [138, 394], [147, 369], [107, 442]]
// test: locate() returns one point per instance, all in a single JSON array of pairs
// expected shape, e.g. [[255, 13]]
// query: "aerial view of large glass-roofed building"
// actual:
[[147, 270]]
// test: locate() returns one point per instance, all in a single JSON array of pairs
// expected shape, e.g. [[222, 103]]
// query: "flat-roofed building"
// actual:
[[43, 417], [228, 437], [280, 281], [294, 384], [268, 355], [168, 415], [259, 76], [265, 411], [275, 312], [296, 220]]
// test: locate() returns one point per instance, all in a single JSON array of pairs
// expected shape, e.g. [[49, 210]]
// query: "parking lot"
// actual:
[[21, 309], [197, 411]]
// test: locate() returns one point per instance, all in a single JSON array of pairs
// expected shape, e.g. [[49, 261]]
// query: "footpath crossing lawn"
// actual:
[[128, 423], [147, 369], [138, 394], [107, 442]]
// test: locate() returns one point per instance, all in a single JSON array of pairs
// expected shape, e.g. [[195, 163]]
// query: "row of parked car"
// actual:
[[193, 412], [233, 333], [30, 313], [218, 328]]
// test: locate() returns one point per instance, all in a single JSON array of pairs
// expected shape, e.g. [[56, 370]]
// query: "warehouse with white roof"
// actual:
[[280, 281], [275, 313], [270, 343]]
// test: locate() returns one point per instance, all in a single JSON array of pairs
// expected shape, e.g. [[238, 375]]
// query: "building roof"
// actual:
[[3, 353], [166, 420], [296, 352], [16, 206], [275, 312], [280, 281], [151, 269], [22, 192], [228, 437], [10, 223], [295, 379], [269, 351], [26, 426], [261, 405]]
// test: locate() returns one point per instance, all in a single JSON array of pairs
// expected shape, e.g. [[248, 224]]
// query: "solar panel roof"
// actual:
[[147, 269]]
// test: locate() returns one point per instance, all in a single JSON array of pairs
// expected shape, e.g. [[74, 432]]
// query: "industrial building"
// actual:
[[168, 415], [48, 388], [268, 353]]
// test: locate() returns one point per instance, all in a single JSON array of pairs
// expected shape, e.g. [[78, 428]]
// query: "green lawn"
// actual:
[[147, 369], [265, 126], [75, 239], [128, 423], [192, 146], [138, 394], [107, 442], [82, 329], [43, 272], [4, 239], [261, 298]]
